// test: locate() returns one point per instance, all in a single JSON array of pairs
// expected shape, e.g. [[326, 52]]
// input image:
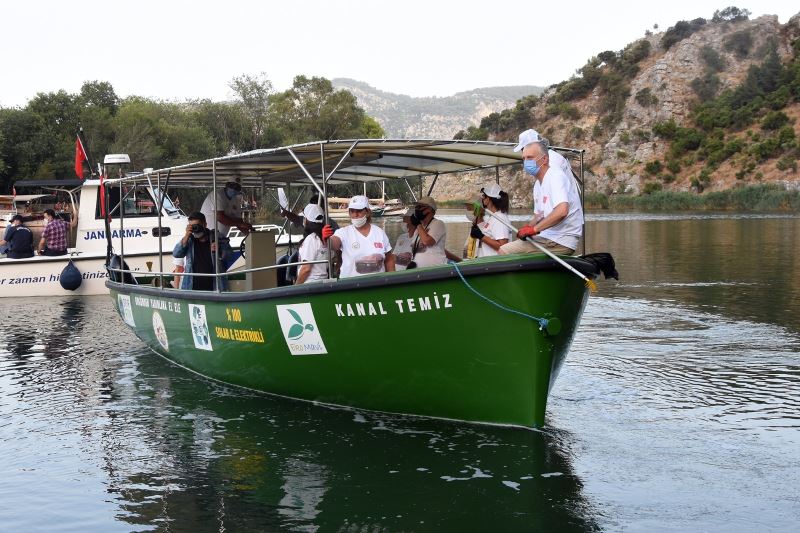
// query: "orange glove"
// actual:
[[526, 231], [327, 232]]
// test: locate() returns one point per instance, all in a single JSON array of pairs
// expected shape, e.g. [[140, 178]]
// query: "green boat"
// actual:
[[479, 341]]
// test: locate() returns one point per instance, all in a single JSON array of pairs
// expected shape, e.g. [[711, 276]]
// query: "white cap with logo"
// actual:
[[527, 137], [313, 213], [493, 190], [358, 202]]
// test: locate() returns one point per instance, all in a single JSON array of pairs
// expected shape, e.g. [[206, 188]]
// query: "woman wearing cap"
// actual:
[[430, 235], [491, 228], [365, 247], [405, 241], [312, 247]]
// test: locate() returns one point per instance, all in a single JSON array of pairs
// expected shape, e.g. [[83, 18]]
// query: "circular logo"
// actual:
[[160, 330], [356, 245]]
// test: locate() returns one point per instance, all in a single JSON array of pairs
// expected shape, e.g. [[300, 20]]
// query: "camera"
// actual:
[[197, 228]]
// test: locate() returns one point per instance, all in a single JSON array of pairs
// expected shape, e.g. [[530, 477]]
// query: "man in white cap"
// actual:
[[557, 222], [430, 236], [365, 247]]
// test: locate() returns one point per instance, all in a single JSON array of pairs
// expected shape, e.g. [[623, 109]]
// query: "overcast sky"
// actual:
[[178, 50]]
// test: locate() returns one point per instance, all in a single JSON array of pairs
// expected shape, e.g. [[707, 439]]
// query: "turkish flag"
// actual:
[[102, 197], [80, 157]]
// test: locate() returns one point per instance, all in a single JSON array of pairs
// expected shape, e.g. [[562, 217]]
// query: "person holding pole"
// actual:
[[557, 223]]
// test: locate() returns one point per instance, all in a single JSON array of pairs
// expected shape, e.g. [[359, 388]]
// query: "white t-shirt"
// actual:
[[431, 255], [492, 226], [558, 160], [362, 255], [558, 187], [312, 249], [402, 251], [232, 208]]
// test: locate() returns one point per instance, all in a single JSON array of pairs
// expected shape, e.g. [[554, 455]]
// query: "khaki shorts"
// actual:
[[524, 247]]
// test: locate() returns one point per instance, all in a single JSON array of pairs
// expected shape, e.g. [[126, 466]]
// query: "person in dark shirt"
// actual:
[[198, 246], [18, 239]]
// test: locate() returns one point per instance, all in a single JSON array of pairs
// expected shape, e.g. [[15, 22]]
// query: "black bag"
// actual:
[[70, 278]]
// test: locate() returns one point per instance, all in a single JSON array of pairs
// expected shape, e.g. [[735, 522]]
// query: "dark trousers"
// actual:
[[48, 251]]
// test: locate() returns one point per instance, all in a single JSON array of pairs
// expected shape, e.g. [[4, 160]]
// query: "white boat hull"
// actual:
[[39, 276]]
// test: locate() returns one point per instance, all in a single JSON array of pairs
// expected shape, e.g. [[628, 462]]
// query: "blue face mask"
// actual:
[[230, 193], [531, 166]]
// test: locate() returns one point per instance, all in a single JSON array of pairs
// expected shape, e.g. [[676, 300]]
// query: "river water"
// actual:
[[678, 410]]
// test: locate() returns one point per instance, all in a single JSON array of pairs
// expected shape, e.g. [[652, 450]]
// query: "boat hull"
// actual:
[[39, 276], [418, 342]]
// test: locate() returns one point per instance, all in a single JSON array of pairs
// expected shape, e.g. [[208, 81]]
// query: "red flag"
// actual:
[[13, 192], [80, 157]]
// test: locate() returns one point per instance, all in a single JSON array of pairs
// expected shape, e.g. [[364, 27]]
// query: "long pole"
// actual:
[[589, 283]]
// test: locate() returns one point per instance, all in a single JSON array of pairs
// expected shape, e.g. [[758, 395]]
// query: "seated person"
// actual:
[[18, 239], [54, 236], [492, 227], [402, 247], [430, 235], [198, 246], [312, 248], [365, 247]]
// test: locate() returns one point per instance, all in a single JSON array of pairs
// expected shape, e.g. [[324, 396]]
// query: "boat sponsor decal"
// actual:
[[300, 329], [125, 309], [234, 314], [155, 303], [51, 278], [435, 302], [160, 330], [115, 234], [200, 334]]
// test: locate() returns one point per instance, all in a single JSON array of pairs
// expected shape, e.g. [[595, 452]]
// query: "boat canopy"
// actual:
[[22, 197], [49, 183], [343, 161]]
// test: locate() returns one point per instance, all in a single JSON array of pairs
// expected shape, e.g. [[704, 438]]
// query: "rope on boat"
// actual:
[[543, 322]]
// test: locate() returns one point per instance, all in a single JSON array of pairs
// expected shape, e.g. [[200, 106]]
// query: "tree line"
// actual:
[[37, 141]]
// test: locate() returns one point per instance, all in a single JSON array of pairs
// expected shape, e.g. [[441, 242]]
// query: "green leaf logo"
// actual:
[[296, 331], [296, 316]]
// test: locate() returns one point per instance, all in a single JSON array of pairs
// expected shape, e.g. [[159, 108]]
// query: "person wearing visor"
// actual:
[[365, 247], [491, 223], [228, 209], [312, 248], [430, 235], [557, 222], [198, 246]]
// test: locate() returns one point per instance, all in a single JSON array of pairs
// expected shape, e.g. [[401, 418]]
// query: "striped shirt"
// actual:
[[55, 234]]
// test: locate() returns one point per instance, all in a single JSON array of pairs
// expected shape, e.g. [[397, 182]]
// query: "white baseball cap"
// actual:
[[493, 190], [313, 213], [527, 137], [358, 202]]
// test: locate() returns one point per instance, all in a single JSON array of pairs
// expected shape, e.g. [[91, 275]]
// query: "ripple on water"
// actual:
[[734, 372]]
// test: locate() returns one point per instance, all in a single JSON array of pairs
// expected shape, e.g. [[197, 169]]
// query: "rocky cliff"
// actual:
[[653, 116], [403, 116]]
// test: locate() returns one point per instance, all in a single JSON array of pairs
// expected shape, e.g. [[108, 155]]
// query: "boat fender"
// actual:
[[70, 278], [281, 272], [118, 277]]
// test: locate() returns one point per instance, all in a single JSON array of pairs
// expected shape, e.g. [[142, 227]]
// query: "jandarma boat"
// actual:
[[481, 341], [78, 202]]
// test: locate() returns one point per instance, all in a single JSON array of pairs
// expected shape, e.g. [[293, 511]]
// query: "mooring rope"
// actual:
[[542, 321]]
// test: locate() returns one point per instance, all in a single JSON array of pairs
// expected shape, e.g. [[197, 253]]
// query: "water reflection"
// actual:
[[169, 449], [676, 409]]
